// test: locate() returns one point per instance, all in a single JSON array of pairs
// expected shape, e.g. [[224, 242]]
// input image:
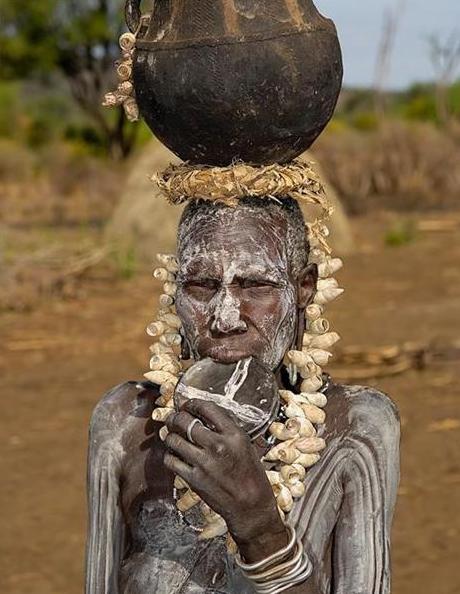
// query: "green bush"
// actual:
[[86, 138], [38, 133], [454, 99], [17, 162], [421, 108], [125, 261], [9, 108], [401, 233], [365, 121]]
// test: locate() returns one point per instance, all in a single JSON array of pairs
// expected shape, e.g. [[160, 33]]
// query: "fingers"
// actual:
[[188, 452], [180, 422], [178, 466], [213, 415]]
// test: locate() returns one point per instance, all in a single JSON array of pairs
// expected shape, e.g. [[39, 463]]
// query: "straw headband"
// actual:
[[229, 185]]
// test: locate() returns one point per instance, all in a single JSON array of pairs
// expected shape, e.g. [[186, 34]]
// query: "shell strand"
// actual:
[[124, 94], [297, 445]]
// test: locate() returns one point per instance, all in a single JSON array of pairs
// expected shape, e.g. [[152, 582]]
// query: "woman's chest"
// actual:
[[167, 557]]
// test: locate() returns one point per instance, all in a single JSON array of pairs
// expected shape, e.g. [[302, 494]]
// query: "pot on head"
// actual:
[[218, 80]]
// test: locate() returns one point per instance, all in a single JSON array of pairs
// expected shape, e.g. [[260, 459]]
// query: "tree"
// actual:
[[391, 21], [78, 38], [445, 58]]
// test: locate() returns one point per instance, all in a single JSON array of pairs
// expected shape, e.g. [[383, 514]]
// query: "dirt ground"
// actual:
[[56, 362]]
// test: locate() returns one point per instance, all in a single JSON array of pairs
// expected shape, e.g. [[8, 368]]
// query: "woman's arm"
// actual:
[[361, 545], [367, 482], [106, 538]]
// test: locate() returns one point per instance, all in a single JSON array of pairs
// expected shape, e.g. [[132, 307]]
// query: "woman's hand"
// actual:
[[223, 468]]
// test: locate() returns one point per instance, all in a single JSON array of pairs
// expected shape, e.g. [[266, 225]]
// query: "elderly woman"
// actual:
[[244, 282]]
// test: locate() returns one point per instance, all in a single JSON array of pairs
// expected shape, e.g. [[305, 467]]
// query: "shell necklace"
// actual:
[[297, 446]]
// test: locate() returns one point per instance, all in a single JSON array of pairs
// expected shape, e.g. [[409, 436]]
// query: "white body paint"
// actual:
[[203, 245]]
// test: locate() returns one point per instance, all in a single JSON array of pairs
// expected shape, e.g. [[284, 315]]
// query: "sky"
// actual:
[[359, 23]]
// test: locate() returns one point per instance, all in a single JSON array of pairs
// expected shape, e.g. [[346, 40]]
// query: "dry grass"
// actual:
[[55, 271], [59, 186], [398, 166], [54, 202]]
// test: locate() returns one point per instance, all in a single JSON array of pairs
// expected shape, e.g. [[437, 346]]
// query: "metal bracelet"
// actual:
[[282, 568], [302, 572], [281, 588], [276, 577], [250, 567], [275, 588], [286, 578]]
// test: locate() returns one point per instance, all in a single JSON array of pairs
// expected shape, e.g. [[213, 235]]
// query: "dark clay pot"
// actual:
[[218, 80]]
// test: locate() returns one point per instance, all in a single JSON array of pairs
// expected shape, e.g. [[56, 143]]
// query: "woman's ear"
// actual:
[[306, 288], [306, 285], [185, 353]]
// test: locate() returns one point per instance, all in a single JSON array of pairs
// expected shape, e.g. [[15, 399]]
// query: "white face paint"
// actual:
[[236, 297], [227, 315]]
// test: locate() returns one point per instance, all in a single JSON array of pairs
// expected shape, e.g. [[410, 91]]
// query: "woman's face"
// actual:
[[236, 296]]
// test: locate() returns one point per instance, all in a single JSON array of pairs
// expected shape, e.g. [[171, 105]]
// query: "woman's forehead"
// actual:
[[239, 238], [242, 226]]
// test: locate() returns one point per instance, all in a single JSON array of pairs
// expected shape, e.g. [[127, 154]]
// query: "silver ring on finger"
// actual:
[[190, 429]]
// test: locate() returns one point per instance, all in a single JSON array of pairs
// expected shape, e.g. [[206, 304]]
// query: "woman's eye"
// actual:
[[203, 288], [249, 283]]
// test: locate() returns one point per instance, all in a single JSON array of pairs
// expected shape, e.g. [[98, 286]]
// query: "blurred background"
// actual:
[[80, 223]]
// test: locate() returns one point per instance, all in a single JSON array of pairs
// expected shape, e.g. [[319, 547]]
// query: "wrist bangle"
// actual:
[[250, 567], [302, 573], [276, 589], [281, 568], [276, 573]]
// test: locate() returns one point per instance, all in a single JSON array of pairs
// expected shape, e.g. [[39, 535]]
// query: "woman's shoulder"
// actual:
[[363, 401], [127, 399], [363, 413]]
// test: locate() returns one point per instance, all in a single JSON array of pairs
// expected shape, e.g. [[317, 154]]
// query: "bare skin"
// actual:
[[233, 303]]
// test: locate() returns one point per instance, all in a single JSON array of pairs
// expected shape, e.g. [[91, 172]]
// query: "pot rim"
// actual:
[[153, 45]]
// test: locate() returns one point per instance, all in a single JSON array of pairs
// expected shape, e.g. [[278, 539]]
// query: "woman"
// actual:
[[244, 282]]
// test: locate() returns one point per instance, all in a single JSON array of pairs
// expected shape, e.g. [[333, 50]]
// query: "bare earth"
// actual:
[[57, 361]]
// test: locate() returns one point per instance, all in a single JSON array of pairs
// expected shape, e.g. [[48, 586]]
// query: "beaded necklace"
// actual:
[[294, 435]]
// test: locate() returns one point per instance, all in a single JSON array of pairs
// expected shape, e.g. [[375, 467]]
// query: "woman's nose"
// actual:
[[226, 315]]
